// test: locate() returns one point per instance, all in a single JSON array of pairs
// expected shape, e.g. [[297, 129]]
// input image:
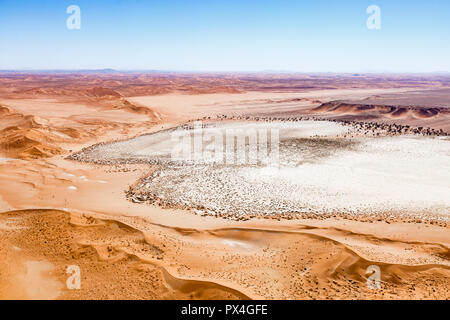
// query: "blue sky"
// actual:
[[227, 35]]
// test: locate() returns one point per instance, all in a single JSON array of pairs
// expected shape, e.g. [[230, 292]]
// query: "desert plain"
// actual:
[[86, 181]]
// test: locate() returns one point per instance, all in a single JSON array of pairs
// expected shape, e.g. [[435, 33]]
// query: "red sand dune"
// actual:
[[432, 117]]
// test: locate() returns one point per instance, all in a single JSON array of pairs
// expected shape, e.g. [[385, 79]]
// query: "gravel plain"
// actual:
[[322, 170]]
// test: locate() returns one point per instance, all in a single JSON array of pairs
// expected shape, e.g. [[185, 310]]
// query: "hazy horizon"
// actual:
[[281, 72]]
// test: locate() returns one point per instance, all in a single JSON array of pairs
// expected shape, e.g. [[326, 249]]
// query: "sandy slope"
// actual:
[[271, 262]]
